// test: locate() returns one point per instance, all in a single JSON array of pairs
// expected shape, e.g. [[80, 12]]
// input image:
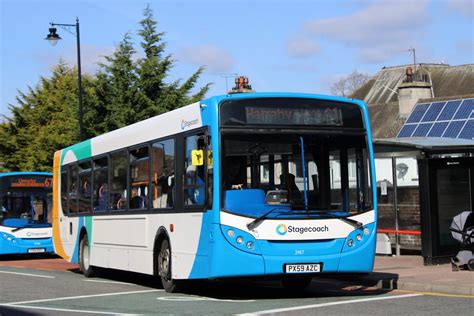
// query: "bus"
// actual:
[[26, 213], [273, 185]]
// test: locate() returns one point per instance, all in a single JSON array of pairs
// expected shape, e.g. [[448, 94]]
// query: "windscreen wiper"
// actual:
[[260, 219], [351, 221]]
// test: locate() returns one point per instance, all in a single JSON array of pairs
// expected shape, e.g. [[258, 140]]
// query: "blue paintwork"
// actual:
[[220, 256], [23, 223], [11, 245]]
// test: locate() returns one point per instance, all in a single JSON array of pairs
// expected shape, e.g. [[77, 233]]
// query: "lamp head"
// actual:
[[52, 37]]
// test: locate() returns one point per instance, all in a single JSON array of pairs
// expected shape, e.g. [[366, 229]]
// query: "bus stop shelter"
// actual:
[[422, 183]]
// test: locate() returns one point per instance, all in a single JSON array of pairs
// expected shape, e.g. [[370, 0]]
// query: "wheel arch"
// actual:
[[161, 234]]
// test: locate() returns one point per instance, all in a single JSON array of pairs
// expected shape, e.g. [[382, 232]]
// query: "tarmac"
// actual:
[[410, 274], [406, 272]]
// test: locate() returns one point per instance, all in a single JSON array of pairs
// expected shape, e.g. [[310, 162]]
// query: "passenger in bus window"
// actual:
[[136, 201], [288, 183], [236, 174], [103, 197]]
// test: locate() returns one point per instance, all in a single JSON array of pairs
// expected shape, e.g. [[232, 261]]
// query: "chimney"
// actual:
[[416, 86], [241, 85]]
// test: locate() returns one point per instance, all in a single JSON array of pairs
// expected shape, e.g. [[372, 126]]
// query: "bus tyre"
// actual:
[[164, 268], [296, 283], [84, 258]]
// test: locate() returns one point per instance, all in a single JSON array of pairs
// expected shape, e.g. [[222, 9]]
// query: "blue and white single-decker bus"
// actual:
[[26, 213], [275, 185]]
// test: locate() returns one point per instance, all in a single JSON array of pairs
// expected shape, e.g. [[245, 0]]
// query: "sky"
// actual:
[[290, 46]]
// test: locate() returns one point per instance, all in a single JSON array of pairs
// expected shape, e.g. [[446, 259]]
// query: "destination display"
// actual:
[[28, 182], [290, 112]]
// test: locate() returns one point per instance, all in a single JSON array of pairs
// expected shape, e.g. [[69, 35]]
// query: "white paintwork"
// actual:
[[126, 242], [267, 230], [170, 123]]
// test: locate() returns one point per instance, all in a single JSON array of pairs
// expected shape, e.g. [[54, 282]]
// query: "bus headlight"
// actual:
[[359, 237], [350, 242], [366, 231], [240, 239]]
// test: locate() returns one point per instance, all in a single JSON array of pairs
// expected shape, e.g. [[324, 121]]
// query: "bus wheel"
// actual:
[[84, 258], [296, 283], [164, 268]]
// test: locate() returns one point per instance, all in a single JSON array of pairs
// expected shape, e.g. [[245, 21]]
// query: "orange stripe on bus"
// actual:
[[58, 245]]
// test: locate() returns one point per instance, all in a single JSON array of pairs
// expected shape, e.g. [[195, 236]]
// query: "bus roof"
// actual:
[[250, 95]]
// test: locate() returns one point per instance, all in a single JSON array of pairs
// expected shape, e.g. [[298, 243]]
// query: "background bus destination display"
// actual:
[[290, 112]]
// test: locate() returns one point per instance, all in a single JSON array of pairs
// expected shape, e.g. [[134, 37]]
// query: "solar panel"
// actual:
[[468, 130], [453, 129], [449, 110], [449, 119], [465, 110], [418, 113], [438, 129], [407, 130], [422, 130], [433, 112]]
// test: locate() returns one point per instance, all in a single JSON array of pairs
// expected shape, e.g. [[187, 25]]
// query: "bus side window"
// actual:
[[101, 180], [163, 174], [139, 178], [85, 187], [72, 189], [118, 181]]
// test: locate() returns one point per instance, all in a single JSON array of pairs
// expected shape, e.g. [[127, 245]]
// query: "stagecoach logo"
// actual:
[[282, 229], [32, 234], [187, 124]]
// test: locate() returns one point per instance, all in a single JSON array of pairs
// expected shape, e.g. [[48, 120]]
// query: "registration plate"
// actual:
[[36, 250], [303, 268]]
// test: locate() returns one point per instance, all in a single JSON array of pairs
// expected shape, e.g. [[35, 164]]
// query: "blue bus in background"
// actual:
[[25, 214]]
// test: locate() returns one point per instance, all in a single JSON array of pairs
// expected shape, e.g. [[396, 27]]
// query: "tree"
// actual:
[[44, 121], [153, 69], [348, 84]]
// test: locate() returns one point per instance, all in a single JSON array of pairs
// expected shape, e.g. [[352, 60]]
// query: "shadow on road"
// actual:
[[330, 285]]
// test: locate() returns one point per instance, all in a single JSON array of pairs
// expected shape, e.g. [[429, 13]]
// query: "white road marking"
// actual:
[[66, 310], [111, 282], [281, 310], [79, 297], [191, 298], [29, 274]]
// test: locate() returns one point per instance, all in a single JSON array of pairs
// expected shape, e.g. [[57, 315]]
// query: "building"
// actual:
[[422, 180]]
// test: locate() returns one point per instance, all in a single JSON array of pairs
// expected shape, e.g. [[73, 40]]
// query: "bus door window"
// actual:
[[139, 178], [101, 186], [85, 187], [163, 173], [358, 181], [64, 189], [72, 189], [118, 181], [335, 198], [195, 174]]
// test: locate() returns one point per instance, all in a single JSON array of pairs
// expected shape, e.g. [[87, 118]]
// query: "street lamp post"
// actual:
[[53, 38]]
